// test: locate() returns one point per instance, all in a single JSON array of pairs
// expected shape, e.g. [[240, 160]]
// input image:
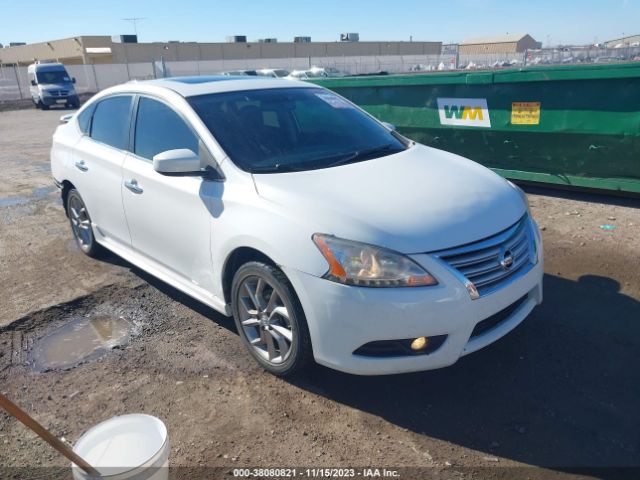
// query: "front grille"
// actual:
[[58, 93], [495, 261]]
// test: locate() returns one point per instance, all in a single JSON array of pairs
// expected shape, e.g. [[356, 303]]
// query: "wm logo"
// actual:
[[463, 113], [468, 112]]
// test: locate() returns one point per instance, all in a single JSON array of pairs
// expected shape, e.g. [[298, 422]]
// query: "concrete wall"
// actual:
[[250, 50], [95, 77]]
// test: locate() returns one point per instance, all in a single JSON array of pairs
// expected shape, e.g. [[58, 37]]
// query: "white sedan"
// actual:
[[326, 234]]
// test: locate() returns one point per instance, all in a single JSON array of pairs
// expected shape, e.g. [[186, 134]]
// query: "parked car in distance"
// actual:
[[273, 72], [315, 72], [50, 84], [327, 71], [303, 75], [240, 73], [326, 234]]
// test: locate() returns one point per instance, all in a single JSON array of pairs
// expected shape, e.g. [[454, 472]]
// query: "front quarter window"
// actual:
[[159, 128]]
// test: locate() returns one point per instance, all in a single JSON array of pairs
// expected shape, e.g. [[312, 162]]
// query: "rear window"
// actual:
[[84, 120], [111, 120]]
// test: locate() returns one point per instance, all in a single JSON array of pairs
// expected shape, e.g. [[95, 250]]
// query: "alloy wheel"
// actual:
[[80, 222], [265, 319]]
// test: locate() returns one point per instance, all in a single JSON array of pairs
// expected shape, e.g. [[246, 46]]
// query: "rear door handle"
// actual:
[[80, 165], [133, 186]]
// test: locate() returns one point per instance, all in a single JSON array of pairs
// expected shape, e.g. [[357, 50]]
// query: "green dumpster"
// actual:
[[576, 125]]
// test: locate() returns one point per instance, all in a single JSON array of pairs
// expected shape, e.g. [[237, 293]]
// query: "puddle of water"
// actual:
[[42, 192], [10, 201], [80, 340], [36, 194]]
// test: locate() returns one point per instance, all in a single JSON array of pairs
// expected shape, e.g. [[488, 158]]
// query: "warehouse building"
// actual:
[[628, 41], [105, 49], [510, 43]]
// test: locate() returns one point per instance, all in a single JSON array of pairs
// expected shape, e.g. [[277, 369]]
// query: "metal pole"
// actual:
[[15, 70], [95, 77]]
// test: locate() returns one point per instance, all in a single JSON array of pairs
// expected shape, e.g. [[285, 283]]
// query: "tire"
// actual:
[[274, 331], [43, 106], [80, 222]]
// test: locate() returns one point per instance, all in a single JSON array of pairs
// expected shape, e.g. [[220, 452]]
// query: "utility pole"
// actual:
[[134, 21]]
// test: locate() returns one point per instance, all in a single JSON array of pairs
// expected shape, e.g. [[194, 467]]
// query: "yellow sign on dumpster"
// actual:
[[525, 113]]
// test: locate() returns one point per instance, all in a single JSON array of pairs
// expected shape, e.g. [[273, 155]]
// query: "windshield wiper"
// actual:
[[345, 157], [360, 154], [279, 167]]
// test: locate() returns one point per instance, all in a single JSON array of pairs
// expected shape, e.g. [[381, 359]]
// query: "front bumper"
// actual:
[[343, 318], [66, 100]]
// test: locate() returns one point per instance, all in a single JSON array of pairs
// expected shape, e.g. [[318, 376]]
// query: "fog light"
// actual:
[[419, 343]]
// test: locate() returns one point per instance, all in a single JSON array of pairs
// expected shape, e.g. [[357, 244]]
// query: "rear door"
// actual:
[[97, 163], [168, 215]]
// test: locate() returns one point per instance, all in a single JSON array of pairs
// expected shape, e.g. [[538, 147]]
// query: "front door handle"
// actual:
[[133, 186], [80, 165]]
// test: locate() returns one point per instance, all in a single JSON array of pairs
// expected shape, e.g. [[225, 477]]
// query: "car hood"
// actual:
[[57, 86], [418, 200]]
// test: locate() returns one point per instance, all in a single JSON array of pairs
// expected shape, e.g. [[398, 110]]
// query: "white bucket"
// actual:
[[131, 447]]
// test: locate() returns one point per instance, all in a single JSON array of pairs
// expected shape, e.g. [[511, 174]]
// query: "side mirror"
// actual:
[[73, 80], [390, 126], [33, 83], [181, 160]]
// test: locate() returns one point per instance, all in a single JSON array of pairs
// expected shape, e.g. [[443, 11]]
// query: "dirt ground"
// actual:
[[559, 394]]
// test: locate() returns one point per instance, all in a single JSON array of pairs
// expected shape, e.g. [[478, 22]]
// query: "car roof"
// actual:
[[202, 85], [47, 66]]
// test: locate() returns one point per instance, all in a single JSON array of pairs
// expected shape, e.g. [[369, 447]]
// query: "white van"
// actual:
[[50, 84]]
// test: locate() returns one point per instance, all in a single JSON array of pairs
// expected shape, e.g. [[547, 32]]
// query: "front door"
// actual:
[[168, 216]]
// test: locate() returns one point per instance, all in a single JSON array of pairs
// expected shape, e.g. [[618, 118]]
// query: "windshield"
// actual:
[[53, 76], [293, 129]]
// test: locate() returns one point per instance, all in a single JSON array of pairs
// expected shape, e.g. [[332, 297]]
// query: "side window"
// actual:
[[111, 120], [159, 128]]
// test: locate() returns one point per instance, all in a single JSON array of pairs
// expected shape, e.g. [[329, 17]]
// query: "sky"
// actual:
[[551, 22]]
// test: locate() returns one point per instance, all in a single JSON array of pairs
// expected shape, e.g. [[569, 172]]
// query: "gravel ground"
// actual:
[[559, 393]]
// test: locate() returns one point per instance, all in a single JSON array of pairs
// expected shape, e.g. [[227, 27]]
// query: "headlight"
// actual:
[[355, 263]]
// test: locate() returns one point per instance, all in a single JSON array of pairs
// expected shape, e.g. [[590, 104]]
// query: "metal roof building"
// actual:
[[510, 43], [627, 41]]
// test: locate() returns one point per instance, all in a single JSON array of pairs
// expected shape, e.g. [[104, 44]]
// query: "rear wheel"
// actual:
[[81, 224], [270, 320]]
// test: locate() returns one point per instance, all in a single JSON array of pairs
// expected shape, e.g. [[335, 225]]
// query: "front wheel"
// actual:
[[81, 224], [270, 320]]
